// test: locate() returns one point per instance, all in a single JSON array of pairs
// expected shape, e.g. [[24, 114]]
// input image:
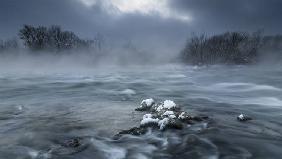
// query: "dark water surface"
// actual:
[[40, 110]]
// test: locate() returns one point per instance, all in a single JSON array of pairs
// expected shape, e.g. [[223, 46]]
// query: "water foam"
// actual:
[[242, 87]]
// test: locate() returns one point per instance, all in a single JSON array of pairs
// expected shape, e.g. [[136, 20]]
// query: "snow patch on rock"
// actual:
[[182, 116], [167, 113], [147, 102], [166, 105], [243, 117], [148, 119], [169, 104]]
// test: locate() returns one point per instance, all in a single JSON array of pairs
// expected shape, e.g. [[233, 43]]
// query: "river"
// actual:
[[40, 110]]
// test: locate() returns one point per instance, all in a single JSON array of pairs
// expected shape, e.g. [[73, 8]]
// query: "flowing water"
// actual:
[[40, 110]]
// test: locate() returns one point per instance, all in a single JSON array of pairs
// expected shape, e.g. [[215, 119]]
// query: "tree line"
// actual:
[[51, 38], [43, 38], [230, 48], [225, 48]]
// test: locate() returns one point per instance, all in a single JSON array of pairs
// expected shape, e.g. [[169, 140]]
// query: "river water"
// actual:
[[40, 110]]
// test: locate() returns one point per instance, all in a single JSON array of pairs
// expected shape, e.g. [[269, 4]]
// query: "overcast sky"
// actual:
[[143, 21]]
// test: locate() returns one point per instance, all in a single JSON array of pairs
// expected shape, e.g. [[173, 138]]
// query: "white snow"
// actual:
[[169, 104], [182, 115], [148, 118], [148, 102], [241, 116], [160, 108], [162, 123], [170, 114], [167, 113]]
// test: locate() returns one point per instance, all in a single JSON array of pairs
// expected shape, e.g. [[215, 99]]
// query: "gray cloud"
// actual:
[[88, 21], [219, 15], [210, 16], [15, 13]]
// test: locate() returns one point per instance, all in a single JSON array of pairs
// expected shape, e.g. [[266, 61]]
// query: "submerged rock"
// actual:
[[243, 117], [76, 142], [69, 146]]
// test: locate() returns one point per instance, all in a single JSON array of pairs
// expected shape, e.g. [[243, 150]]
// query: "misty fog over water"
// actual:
[[41, 108]]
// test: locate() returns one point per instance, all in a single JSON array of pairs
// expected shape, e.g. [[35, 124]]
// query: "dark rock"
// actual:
[[151, 125], [142, 109], [134, 131], [197, 118], [174, 124]]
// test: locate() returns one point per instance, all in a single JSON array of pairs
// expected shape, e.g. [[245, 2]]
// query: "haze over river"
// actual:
[[41, 109]]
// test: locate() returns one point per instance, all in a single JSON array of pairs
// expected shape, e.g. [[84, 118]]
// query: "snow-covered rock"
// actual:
[[163, 116], [149, 120], [243, 117], [159, 108], [169, 104], [169, 114], [172, 116], [184, 116], [146, 104], [166, 105], [169, 123]]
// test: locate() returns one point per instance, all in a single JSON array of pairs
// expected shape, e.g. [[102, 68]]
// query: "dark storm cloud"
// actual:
[[88, 21], [15, 13], [72, 14], [208, 16], [219, 15]]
